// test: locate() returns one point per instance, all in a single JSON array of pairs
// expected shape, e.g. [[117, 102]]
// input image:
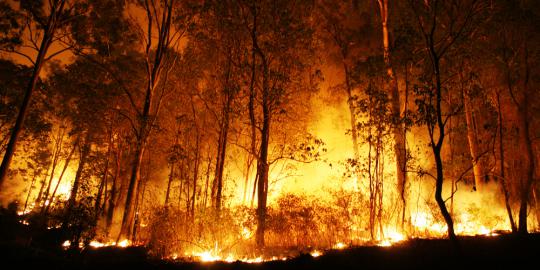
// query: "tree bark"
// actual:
[[77, 181], [56, 157], [398, 128], [114, 189], [504, 186], [66, 164], [154, 68], [526, 184], [48, 35], [436, 147], [472, 138], [222, 151]]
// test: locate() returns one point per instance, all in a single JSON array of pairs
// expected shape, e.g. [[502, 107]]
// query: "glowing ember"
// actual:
[[123, 243], [340, 245], [246, 233], [66, 244], [385, 243], [315, 253], [207, 256], [257, 260]]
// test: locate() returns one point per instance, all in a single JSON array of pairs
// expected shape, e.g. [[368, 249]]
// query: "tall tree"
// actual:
[[159, 56], [399, 128], [280, 38], [46, 20], [444, 27]]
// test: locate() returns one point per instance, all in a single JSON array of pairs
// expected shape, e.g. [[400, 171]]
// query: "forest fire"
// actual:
[[268, 132]]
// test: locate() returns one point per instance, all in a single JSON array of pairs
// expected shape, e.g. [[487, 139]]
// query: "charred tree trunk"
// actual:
[[208, 168], [154, 66], [169, 183], [504, 186], [172, 164], [129, 209], [85, 150], [29, 192], [526, 184], [114, 189], [262, 164], [48, 36], [262, 172], [222, 151], [253, 155], [195, 175], [103, 183], [437, 147]]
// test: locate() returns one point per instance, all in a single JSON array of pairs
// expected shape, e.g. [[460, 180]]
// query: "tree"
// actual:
[[514, 58], [159, 60], [443, 26], [46, 25], [399, 128], [280, 37]]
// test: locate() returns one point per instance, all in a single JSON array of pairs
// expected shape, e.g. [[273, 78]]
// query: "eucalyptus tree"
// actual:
[[444, 27], [171, 20], [281, 39], [45, 24]]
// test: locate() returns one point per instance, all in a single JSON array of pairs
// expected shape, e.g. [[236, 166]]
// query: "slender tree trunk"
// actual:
[[352, 111], [66, 164], [172, 163], [208, 168], [504, 186], [139, 201], [103, 183], [195, 176], [472, 138], [154, 67], [263, 166], [526, 184], [262, 188], [262, 161], [222, 151], [114, 189], [39, 197], [56, 157], [436, 147], [398, 129], [48, 36], [171, 177], [77, 181], [129, 209], [29, 192]]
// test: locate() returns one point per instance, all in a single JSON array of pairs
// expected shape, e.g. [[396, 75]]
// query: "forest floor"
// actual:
[[501, 252], [478, 252]]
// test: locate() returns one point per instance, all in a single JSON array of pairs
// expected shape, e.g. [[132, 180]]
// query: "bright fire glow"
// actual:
[[123, 243], [340, 245]]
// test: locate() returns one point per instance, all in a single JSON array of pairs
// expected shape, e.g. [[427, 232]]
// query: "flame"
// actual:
[[340, 245], [315, 253], [124, 243], [246, 233], [207, 256], [213, 256]]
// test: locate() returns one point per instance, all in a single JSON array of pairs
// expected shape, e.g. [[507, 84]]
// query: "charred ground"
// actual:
[[31, 248]]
